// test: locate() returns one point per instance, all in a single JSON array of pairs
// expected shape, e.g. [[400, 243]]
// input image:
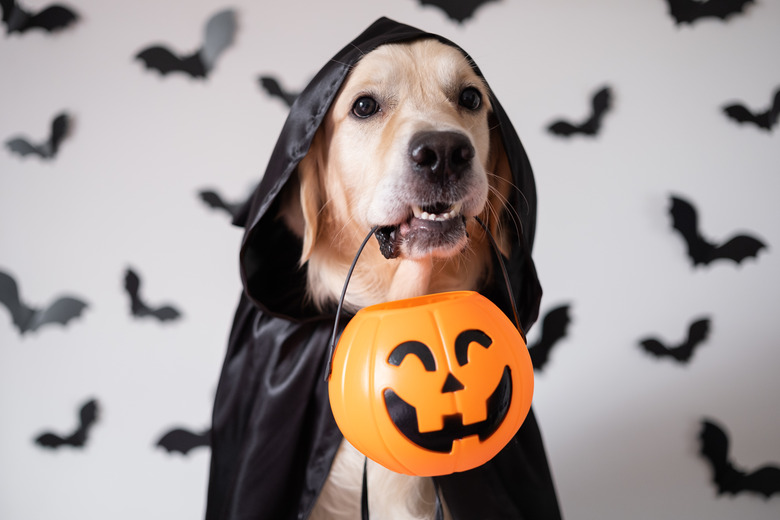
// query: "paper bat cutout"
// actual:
[[218, 35], [183, 440], [700, 250], [271, 85], [600, 104], [765, 120], [48, 149], [727, 477], [27, 318], [688, 11], [87, 417], [697, 333], [554, 328], [138, 307], [52, 18], [458, 10], [214, 200]]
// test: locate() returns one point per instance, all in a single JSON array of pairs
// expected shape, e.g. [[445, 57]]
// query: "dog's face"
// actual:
[[405, 146]]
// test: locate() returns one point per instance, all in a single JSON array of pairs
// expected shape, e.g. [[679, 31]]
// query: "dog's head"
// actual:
[[406, 146]]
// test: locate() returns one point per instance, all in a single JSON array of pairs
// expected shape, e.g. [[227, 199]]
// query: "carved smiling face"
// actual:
[[431, 385]]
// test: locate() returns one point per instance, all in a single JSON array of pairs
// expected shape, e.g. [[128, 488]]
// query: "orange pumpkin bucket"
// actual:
[[431, 385]]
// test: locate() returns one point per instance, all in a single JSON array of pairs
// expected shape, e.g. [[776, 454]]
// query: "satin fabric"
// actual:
[[273, 435]]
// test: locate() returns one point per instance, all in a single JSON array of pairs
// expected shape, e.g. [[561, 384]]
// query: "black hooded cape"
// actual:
[[273, 434]]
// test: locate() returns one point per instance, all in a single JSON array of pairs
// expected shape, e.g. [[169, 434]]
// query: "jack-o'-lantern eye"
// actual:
[[415, 348], [466, 338]]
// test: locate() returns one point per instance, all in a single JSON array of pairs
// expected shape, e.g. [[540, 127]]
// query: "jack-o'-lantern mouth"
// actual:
[[404, 417]]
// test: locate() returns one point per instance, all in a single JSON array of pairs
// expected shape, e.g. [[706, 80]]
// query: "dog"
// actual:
[[407, 146]]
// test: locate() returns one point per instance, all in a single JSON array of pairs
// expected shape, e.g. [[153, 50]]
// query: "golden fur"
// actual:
[[356, 176]]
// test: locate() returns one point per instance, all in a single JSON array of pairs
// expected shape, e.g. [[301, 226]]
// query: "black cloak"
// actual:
[[273, 433]]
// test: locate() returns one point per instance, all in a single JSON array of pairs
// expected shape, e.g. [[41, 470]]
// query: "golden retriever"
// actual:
[[406, 146]]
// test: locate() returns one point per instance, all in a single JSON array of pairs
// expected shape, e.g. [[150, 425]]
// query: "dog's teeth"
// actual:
[[417, 211]]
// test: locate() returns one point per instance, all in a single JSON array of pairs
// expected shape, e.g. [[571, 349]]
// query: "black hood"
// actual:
[[269, 253]]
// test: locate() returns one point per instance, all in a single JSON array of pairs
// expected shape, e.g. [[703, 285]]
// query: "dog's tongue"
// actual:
[[388, 239]]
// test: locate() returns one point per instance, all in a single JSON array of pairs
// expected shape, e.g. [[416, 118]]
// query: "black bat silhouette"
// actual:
[[458, 10], [728, 478], [183, 440], [272, 86], [701, 251], [765, 120], [87, 417], [600, 104], [47, 150], [688, 11], [140, 309], [27, 318], [697, 333], [218, 35], [52, 18], [554, 328], [214, 200]]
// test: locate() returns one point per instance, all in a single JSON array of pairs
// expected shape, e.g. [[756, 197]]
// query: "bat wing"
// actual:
[[21, 146], [219, 33], [165, 313], [458, 10], [7, 6], [697, 332], [655, 347], [53, 18], [164, 61], [765, 480], [554, 327], [688, 11], [739, 248], [61, 311], [715, 449], [21, 315], [50, 440], [59, 128], [774, 111], [741, 114], [183, 441], [271, 85], [89, 413], [212, 199], [685, 220], [563, 128], [601, 104]]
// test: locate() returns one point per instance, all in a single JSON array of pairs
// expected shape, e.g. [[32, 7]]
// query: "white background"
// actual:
[[620, 426]]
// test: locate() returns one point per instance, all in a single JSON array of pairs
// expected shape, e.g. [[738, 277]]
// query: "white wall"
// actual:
[[620, 426]]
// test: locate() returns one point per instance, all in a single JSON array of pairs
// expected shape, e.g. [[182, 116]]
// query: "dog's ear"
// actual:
[[499, 215], [301, 199], [310, 193]]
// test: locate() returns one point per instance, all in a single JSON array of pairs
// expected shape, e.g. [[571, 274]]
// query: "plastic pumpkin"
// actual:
[[431, 385]]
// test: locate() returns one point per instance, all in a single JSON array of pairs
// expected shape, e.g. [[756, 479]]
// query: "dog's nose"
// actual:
[[440, 156]]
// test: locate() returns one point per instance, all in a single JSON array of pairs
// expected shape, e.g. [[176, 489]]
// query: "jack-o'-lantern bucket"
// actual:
[[431, 385]]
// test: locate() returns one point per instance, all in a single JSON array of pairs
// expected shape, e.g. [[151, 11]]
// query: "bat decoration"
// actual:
[[48, 149], [215, 201], [183, 440], [138, 307], [701, 251], [271, 85], [87, 417], [697, 333], [688, 11], [727, 477], [27, 318], [458, 10], [554, 328], [218, 35], [766, 120], [600, 104], [52, 18]]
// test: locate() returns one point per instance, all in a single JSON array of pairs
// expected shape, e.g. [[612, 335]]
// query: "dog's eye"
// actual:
[[365, 106], [470, 98]]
